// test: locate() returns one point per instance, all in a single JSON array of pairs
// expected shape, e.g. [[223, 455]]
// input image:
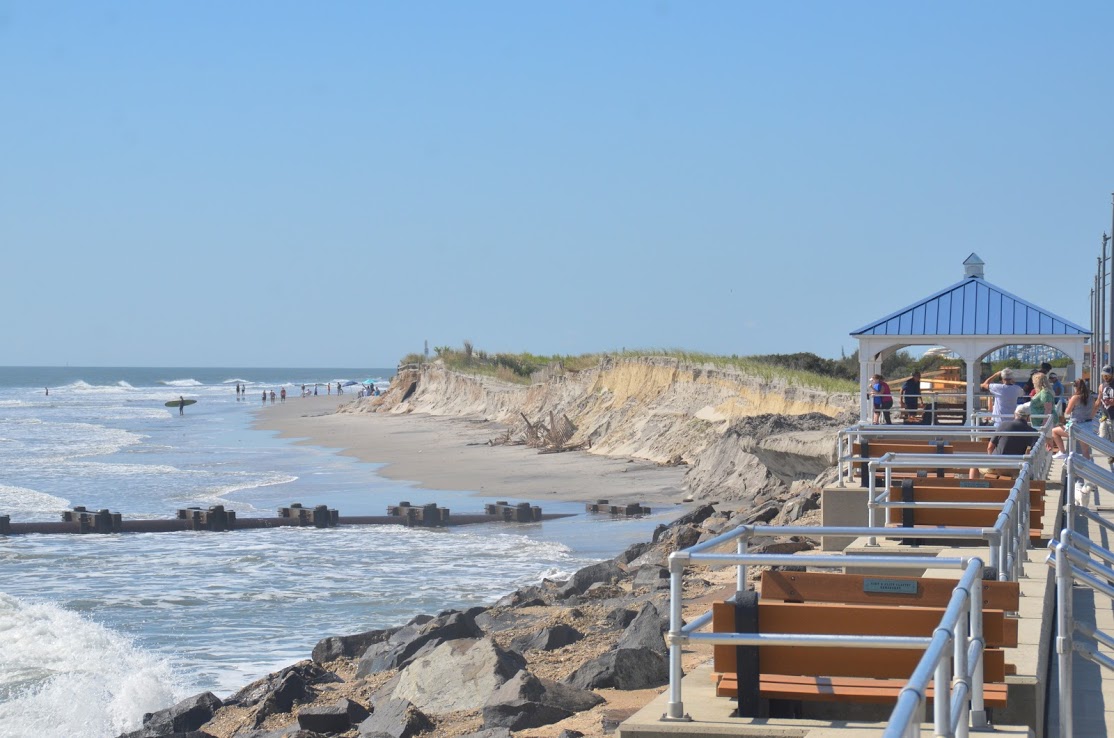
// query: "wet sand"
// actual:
[[442, 453]]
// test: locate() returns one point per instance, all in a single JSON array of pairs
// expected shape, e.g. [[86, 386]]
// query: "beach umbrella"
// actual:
[[349, 383], [368, 381]]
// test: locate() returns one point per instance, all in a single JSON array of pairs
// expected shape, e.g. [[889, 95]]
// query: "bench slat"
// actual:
[[842, 689], [806, 586], [837, 661]]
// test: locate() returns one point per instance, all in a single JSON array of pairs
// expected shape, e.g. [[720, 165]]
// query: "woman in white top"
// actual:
[[1080, 412]]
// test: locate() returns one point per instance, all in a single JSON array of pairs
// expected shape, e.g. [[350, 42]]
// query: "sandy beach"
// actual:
[[441, 453]]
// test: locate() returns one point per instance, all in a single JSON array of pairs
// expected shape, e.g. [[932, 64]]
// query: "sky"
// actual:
[[334, 184]]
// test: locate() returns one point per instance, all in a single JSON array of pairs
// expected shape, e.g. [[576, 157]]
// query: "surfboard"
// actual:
[[176, 403]]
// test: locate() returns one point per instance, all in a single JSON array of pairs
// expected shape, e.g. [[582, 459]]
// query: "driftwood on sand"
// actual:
[[548, 439]]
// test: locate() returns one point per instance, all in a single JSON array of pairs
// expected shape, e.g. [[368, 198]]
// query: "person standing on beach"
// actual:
[[264, 397], [282, 395], [181, 405], [48, 391], [315, 390]]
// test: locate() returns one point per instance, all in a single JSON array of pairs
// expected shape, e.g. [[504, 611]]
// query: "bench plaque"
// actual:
[[889, 586], [974, 483]]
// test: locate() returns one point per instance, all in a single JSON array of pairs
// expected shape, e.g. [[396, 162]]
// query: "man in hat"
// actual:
[[1005, 394]]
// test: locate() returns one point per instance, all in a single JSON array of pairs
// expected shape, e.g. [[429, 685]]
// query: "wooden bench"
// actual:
[[930, 490], [849, 604], [877, 449]]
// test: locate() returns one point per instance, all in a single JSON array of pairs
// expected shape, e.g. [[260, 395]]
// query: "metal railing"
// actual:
[[1007, 539], [966, 666], [954, 662], [846, 439], [1077, 560]]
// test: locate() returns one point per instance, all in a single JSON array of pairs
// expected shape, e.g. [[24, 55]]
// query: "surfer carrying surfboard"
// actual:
[[181, 405]]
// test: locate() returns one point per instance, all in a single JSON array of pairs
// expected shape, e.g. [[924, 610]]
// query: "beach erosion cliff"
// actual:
[[744, 438], [558, 658]]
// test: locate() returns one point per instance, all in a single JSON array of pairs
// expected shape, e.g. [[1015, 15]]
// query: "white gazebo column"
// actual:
[[972, 383]]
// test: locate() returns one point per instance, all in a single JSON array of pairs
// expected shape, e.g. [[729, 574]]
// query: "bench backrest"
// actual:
[[836, 619], [855, 604], [807, 586], [959, 516]]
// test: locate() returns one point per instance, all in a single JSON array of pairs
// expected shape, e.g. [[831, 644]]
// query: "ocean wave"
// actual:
[[216, 495], [124, 384], [65, 660], [24, 500], [181, 383]]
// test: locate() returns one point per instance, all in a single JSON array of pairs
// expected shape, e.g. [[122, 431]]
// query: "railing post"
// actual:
[[1069, 492], [1065, 625], [942, 703], [742, 543], [960, 670], [676, 707], [871, 510], [978, 717]]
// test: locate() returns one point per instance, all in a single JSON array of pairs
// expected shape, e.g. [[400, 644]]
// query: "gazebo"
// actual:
[[971, 318]]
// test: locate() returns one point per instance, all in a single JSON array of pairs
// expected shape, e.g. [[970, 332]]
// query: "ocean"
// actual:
[[98, 629]]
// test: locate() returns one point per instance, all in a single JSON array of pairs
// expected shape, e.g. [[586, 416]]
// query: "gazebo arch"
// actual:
[[971, 318]]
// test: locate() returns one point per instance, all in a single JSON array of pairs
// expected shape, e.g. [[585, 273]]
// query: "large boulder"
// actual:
[[547, 639], [628, 668], [349, 646], [456, 675], [335, 718], [652, 576], [292, 682], [395, 719], [404, 644], [525, 701], [639, 661], [645, 631], [185, 717], [606, 572]]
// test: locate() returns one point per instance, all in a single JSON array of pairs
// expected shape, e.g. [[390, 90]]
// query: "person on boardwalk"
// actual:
[[1013, 445], [1043, 402], [1106, 405], [1005, 394], [181, 405], [1080, 412], [883, 399], [911, 397], [1057, 389]]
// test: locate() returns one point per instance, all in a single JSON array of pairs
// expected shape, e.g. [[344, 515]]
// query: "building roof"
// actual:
[[971, 307]]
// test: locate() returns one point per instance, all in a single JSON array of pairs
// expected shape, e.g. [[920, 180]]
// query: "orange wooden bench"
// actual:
[[877, 449], [850, 604], [927, 490]]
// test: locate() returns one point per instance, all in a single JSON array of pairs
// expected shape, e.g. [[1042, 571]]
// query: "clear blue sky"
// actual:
[[330, 184]]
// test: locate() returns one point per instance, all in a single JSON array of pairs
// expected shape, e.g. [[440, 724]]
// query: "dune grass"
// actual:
[[521, 368]]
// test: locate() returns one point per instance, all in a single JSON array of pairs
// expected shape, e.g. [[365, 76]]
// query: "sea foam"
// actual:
[[64, 676]]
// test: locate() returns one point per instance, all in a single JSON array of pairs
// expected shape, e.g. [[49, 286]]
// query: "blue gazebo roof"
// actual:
[[971, 307]]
